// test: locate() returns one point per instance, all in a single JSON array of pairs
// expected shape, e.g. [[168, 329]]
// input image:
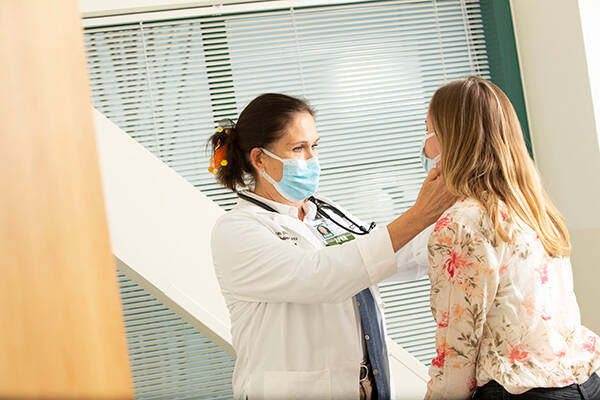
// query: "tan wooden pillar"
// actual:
[[61, 327]]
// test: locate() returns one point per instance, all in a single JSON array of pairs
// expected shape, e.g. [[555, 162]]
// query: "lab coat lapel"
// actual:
[[300, 229]]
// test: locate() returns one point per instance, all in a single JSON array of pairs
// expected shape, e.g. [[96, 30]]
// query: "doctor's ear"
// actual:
[[256, 158]]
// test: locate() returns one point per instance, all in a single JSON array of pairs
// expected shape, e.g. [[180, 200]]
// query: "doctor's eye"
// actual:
[[314, 146], [297, 149]]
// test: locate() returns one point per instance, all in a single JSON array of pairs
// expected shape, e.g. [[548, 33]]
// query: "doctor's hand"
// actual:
[[432, 201], [433, 198]]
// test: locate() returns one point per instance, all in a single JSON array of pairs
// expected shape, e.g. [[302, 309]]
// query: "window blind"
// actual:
[[169, 358], [369, 69]]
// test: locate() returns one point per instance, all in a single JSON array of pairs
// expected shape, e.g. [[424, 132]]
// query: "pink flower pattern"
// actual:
[[456, 261], [442, 223], [590, 344], [443, 320], [493, 322], [440, 359], [503, 215], [517, 354], [502, 269], [542, 270]]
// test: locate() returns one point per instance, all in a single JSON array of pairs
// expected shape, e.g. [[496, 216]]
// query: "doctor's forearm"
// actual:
[[404, 228]]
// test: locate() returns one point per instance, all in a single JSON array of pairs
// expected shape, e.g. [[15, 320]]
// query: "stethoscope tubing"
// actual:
[[320, 210]]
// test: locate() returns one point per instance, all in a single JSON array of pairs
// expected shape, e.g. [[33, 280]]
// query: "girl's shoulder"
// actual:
[[465, 210], [467, 215]]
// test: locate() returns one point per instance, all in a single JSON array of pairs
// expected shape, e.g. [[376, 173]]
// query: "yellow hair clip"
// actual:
[[218, 159]]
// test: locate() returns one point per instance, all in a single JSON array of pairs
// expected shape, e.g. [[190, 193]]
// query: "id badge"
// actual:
[[329, 233]]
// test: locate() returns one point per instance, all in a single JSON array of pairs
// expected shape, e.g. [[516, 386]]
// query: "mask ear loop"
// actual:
[[429, 135], [263, 172], [267, 152], [436, 160]]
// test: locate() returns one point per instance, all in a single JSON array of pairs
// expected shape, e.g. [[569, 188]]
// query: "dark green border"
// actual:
[[503, 57]]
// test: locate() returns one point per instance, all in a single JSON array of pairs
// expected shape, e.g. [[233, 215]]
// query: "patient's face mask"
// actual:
[[300, 178], [429, 163]]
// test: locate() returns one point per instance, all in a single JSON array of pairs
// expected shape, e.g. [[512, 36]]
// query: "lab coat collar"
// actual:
[[310, 210]]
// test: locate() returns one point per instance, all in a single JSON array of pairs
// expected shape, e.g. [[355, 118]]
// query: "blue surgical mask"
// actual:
[[427, 162], [300, 178]]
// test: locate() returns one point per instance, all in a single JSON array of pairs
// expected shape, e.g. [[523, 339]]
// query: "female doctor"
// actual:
[[298, 273]]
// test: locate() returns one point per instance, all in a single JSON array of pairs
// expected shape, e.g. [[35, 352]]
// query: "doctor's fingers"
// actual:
[[446, 199], [441, 194], [433, 175], [434, 198]]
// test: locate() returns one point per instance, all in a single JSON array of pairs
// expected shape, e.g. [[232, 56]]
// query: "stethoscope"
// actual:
[[323, 209]]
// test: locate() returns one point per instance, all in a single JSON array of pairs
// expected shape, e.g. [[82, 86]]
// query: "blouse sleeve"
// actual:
[[412, 259], [463, 269]]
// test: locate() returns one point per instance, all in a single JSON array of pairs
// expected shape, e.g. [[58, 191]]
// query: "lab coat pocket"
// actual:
[[297, 384]]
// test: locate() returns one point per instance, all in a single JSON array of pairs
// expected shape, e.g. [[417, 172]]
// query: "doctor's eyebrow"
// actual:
[[303, 142]]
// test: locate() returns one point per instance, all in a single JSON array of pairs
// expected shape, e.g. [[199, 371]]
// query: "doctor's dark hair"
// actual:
[[263, 122]]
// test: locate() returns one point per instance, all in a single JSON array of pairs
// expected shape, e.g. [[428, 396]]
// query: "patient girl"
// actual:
[[502, 290]]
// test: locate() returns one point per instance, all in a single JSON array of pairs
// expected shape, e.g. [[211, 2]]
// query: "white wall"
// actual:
[[561, 107], [589, 11], [159, 228]]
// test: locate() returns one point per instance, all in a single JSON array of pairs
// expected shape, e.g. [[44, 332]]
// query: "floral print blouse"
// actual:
[[504, 311]]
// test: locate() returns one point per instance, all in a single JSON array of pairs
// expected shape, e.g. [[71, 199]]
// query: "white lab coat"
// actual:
[[294, 325]]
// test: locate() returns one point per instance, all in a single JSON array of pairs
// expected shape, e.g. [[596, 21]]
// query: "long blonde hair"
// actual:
[[484, 157]]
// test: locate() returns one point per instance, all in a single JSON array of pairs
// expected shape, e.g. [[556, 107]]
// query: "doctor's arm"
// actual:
[[432, 201], [253, 264], [411, 257]]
